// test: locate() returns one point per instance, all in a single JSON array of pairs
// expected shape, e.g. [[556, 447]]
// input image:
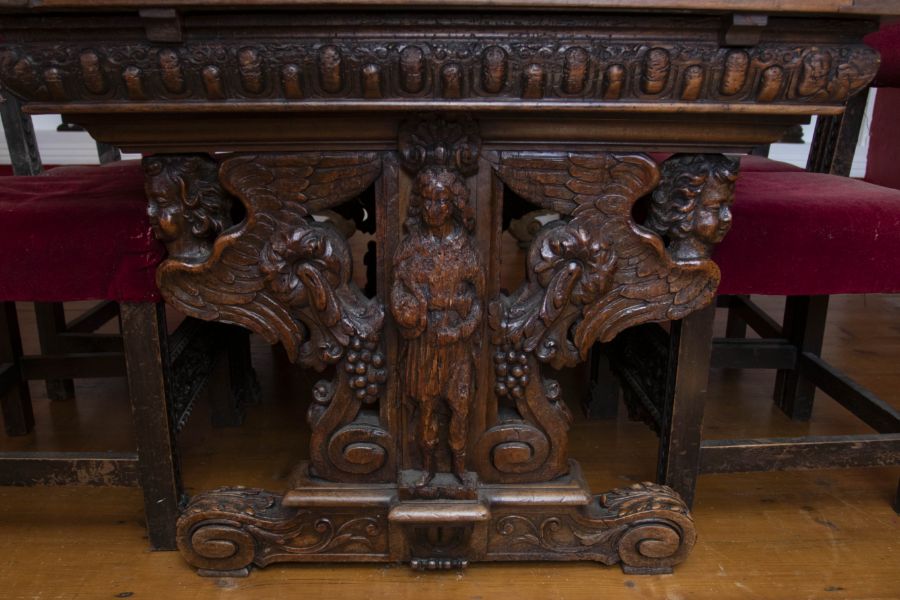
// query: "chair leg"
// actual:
[[51, 322], [15, 399], [897, 499], [735, 326], [601, 399], [147, 362], [804, 327], [231, 391], [690, 344]]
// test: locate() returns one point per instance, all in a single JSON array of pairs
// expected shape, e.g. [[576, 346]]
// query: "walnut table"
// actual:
[[437, 437]]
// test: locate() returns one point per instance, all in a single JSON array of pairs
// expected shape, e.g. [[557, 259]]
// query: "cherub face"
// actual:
[[437, 204], [164, 210], [712, 217]]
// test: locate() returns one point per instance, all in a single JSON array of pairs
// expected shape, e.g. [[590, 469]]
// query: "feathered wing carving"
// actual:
[[278, 273], [598, 273], [283, 275]]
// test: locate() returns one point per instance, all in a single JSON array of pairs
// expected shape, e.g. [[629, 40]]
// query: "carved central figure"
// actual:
[[436, 301]]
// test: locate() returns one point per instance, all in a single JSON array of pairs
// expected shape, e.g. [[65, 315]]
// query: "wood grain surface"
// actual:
[[855, 7], [813, 534]]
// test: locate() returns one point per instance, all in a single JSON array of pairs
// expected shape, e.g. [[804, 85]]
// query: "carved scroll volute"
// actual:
[[283, 275], [437, 295], [589, 277]]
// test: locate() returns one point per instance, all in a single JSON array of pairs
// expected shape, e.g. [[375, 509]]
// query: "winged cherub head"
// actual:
[[691, 208], [186, 205]]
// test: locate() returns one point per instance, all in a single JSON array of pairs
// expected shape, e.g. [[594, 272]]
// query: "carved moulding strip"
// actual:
[[286, 277], [646, 527], [499, 68]]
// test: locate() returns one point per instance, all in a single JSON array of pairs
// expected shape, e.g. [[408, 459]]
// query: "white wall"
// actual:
[[796, 154], [59, 147]]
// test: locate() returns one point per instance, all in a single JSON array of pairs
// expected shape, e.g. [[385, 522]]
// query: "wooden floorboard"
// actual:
[[809, 534]]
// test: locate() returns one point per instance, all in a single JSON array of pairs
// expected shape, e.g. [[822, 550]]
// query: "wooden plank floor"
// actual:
[[816, 534]]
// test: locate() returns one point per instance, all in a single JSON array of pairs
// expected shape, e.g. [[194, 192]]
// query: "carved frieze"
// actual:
[[490, 68]]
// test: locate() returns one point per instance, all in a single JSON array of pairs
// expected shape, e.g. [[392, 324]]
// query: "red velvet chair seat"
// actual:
[[77, 234], [798, 233], [750, 163]]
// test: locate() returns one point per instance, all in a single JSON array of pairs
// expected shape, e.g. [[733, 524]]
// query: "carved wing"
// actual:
[[600, 272], [277, 272]]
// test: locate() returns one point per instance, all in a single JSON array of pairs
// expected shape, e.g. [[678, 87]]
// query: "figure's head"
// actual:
[[693, 200], [184, 198], [439, 195]]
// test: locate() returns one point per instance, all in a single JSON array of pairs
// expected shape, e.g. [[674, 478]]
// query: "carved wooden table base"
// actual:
[[438, 441], [645, 527]]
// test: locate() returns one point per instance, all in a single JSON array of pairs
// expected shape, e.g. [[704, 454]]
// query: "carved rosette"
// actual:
[[286, 277]]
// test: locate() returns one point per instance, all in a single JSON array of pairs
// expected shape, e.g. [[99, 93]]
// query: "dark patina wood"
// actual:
[[437, 436], [811, 452], [15, 399], [69, 468], [441, 438]]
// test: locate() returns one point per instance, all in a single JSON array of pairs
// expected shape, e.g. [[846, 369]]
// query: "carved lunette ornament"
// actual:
[[286, 277]]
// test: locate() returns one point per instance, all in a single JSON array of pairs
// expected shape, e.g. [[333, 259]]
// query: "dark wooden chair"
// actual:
[[801, 234], [83, 234]]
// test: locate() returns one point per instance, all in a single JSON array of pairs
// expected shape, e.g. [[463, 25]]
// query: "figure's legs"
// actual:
[[428, 437], [459, 398]]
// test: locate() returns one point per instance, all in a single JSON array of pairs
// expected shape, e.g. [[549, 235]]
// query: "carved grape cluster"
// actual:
[[512, 371], [365, 365]]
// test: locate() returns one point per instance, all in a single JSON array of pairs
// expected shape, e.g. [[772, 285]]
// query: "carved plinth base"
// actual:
[[646, 527]]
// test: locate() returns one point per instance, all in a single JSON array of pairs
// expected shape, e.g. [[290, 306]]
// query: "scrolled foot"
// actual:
[[214, 533], [658, 532]]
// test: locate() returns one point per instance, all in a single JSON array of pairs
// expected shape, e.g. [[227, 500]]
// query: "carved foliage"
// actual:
[[230, 529], [283, 275], [645, 527], [549, 68]]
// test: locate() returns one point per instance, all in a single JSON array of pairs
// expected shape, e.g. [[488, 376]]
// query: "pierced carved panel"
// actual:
[[286, 277], [590, 275], [402, 473]]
